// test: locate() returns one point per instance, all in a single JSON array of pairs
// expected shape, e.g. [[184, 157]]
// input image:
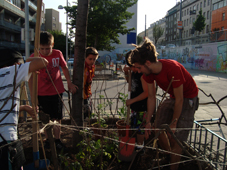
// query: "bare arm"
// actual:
[[71, 87], [126, 72], [140, 97], [28, 109], [151, 102], [36, 63], [178, 93]]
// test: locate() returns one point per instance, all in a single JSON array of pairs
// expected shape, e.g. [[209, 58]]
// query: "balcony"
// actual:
[[16, 10], [9, 26], [31, 5], [18, 46]]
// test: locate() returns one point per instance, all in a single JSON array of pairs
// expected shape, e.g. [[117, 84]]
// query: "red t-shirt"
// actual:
[[172, 68], [45, 86]]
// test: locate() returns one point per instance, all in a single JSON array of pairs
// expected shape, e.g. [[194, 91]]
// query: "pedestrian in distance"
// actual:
[[178, 110], [89, 72], [12, 74], [50, 85]]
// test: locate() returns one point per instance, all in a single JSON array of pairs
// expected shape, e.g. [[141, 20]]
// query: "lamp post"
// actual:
[[66, 54]]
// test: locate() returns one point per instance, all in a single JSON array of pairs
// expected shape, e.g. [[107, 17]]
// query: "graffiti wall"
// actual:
[[114, 56], [211, 57]]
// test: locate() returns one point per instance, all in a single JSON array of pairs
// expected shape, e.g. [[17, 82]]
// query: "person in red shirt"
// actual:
[[50, 85], [178, 110], [89, 73]]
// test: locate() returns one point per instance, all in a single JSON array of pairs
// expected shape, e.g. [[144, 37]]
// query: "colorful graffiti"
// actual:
[[211, 57], [116, 55]]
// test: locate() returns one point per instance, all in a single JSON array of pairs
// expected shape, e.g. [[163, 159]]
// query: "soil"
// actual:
[[144, 159]]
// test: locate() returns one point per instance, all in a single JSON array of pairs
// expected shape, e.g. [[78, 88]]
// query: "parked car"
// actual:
[[70, 62], [170, 46]]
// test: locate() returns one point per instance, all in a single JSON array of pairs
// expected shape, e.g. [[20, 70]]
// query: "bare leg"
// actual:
[[164, 141], [175, 158]]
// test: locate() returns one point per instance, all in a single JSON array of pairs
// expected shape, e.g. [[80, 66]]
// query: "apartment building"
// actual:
[[12, 20], [52, 20], [188, 14], [219, 18]]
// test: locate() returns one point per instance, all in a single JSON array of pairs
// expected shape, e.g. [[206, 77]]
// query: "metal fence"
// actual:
[[205, 142], [209, 145]]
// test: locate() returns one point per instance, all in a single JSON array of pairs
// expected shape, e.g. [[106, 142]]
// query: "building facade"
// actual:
[[188, 13], [215, 29], [12, 22], [52, 20], [219, 18]]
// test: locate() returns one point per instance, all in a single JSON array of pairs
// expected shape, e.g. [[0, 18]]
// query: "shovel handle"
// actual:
[[129, 90]]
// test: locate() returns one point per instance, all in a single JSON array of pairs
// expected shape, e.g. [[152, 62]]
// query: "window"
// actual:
[[204, 4], [184, 12], [187, 11], [54, 25], [221, 4], [204, 14], [190, 21], [208, 14], [187, 22], [54, 19], [223, 16], [194, 7], [208, 2], [197, 7], [207, 29], [201, 5], [215, 6], [222, 28]]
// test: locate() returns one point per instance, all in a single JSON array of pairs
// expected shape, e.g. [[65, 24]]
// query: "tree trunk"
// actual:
[[78, 67]]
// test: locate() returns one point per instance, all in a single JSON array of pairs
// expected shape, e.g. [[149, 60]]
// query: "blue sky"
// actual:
[[153, 9]]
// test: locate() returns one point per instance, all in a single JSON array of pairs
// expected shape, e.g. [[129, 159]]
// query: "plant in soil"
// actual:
[[122, 111], [96, 154]]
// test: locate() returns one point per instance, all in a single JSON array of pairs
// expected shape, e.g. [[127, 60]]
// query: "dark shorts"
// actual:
[[165, 114], [51, 105], [9, 158]]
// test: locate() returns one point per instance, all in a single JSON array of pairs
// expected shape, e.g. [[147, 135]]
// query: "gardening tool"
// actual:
[[127, 144], [37, 164]]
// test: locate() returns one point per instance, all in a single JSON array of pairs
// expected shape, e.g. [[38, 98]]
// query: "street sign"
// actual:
[[180, 25]]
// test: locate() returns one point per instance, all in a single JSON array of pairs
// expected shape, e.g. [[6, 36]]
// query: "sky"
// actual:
[[153, 9]]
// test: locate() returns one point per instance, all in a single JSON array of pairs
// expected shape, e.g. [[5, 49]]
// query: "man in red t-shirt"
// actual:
[[50, 85], [179, 109]]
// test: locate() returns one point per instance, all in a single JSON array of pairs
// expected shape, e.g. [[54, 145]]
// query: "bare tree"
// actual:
[[78, 67]]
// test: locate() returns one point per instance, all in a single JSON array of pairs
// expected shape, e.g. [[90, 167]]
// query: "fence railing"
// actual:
[[209, 145]]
